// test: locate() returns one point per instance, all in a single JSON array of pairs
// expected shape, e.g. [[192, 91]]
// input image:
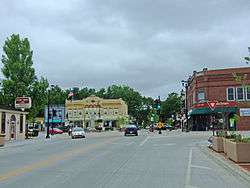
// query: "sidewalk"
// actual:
[[239, 170]]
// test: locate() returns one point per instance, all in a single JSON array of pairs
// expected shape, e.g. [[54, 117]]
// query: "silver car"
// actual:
[[78, 132]]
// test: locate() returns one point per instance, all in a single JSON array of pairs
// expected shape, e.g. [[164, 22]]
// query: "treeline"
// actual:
[[20, 80]]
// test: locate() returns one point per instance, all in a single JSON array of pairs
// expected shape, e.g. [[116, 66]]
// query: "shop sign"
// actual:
[[244, 111]]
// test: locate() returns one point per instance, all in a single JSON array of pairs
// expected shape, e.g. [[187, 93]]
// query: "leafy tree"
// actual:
[[57, 95], [171, 106], [39, 98], [17, 69]]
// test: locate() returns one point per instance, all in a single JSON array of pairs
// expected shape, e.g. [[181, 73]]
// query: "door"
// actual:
[[13, 127]]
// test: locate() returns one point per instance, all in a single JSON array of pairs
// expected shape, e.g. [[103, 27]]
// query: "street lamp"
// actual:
[[186, 84], [48, 125]]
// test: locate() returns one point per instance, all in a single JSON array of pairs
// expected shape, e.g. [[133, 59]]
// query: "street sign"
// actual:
[[23, 102], [212, 104]]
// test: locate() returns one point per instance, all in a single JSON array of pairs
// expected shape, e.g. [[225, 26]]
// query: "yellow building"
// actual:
[[94, 110]]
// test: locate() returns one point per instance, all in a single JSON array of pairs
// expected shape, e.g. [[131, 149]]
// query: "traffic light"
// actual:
[[157, 104]]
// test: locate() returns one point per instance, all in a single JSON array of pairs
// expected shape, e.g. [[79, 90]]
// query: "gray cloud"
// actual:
[[149, 45]]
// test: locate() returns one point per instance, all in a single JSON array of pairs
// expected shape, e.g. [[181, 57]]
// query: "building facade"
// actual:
[[12, 124], [94, 110], [56, 115], [227, 90]]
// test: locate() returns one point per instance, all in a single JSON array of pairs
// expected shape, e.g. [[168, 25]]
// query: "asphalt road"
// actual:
[[111, 160]]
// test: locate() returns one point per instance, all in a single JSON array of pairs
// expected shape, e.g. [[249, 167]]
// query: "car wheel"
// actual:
[[136, 134], [72, 137], [125, 134], [83, 137]]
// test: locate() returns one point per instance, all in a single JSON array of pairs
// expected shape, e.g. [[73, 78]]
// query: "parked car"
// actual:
[[64, 128], [78, 132], [131, 130], [32, 130], [55, 131], [106, 128], [98, 127]]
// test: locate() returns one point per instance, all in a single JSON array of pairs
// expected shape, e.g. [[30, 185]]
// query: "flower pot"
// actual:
[[238, 152], [217, 144]]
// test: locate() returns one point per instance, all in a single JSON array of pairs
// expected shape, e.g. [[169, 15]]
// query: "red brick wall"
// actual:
[[215, 84]]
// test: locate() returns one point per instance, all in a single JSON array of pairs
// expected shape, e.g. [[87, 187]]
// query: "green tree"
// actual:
[[57, 95], [130, 96], [39, 98], [171, 106], [17, 69]]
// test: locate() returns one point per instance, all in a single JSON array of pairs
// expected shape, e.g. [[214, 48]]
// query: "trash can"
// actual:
[[2, 136]]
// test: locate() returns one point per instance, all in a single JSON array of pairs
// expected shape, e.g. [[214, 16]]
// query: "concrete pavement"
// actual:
[[110, 160]]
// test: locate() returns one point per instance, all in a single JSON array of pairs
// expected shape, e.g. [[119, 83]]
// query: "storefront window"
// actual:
[[247, 92], [230, 94], [240, 93], [3, 123], [200, 95]]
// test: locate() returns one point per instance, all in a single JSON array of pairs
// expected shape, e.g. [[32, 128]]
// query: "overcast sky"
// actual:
[[150, 45]]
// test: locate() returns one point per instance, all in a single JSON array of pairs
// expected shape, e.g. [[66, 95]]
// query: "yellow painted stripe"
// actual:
[[52, 160]]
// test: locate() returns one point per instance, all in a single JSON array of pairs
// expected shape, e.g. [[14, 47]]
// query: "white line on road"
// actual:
[[201, 167], [144, 141], [188, 174]]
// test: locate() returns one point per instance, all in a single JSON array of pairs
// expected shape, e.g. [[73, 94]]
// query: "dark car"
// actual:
[[131, 130]]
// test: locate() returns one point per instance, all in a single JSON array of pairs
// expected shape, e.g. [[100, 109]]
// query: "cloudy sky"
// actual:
[[150, 45]]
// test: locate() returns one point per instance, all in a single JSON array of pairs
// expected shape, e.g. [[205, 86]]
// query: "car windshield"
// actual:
[[78, 129], [131, 126]]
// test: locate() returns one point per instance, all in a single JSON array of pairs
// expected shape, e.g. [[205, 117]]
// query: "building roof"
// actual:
[[9, 108], [223, 71]]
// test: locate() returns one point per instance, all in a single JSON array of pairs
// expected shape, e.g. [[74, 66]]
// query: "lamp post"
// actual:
[[48, 125], [186, 84]]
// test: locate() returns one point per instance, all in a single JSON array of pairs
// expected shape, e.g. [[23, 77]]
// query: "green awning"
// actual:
[[200, 111]]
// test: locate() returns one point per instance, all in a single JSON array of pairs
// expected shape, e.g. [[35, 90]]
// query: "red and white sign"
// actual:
[[218, 104], [212, 104], [23, 102]]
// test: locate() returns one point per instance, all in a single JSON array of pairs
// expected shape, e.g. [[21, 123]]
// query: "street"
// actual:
[[111, 160]]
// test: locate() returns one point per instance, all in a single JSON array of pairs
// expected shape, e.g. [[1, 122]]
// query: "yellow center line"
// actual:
[[52, 160]]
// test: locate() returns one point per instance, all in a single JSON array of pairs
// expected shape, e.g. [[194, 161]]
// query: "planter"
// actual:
[[2, 140], [238, 152], [217, 144], [225, 145]]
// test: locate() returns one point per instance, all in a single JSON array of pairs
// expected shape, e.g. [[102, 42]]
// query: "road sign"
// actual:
[[212, 104], [23, 102]]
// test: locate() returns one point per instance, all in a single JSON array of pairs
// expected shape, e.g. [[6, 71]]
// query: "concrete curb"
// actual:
[[226, 164]]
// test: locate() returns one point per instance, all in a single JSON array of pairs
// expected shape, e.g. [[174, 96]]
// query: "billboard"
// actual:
[[56, 114], [23, 102]]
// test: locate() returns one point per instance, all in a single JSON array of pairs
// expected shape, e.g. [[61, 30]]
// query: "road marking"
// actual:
[[144, 141], [168, 144], [201, 167], [188, 174], [51, 160]]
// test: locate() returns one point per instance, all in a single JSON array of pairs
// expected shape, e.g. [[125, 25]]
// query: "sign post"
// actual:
[[212, 106]]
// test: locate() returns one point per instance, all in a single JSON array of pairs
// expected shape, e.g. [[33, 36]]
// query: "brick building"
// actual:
[[227, 89]]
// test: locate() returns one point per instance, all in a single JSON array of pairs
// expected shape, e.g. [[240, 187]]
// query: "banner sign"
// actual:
[[244, 111], [218, 104]]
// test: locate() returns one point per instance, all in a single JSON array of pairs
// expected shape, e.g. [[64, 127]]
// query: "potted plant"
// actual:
[[238, 149], [217, 141]]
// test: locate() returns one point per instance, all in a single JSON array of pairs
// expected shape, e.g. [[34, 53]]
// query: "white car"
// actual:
[[77, 132]]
